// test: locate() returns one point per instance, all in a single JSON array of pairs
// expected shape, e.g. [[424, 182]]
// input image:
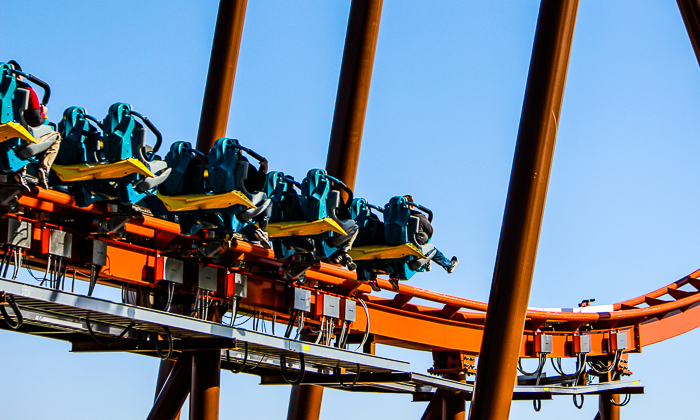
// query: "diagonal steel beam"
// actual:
[[222, 72], [353, 90], [517, 248], [174, 391], [690, 10]]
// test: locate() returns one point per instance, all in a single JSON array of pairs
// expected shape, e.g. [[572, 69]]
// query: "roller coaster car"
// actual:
[[316, 222], [390, 248], [116, 166], [18, 140], [221, 192]]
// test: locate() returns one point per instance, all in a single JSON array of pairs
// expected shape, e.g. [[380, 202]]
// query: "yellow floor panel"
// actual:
[[384, 252], [12, 129], [102, 170], [303, 228], [193, 202]]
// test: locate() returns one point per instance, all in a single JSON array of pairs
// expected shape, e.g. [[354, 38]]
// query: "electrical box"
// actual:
[[543, 343], [300, 299], [236, 285], [327, 305], [16, 233], [208, 278], [57, 243], [170, 269], [582, 343], [347, 310], [618, 340], [94, 252]]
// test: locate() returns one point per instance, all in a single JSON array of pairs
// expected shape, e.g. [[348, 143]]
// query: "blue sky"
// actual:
[[442, 119]]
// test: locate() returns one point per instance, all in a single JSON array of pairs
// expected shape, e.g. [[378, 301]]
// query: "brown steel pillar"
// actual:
[[690, 9], [166, 368], [353, 90], [453, 404], [517, 248], [346, 138], [222, 72], [305, 402], [174, 391], [206, 379], [606, 409]]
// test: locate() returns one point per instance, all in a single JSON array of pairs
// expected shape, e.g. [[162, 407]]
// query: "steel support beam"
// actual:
[[305, 402], [206, 380], [453, 402], [434, 409], [606, 409], [690, 10], [222, 72], [174, 391], [345, 142], [515, 261], [353, 90]]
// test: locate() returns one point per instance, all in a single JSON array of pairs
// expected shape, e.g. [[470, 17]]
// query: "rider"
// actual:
[[35, 115], [425, 232]]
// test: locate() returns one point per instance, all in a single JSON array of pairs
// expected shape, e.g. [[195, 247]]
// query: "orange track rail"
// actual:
[[439, 322]]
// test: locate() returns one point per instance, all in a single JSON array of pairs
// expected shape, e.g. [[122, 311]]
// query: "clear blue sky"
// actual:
[[621, 217]]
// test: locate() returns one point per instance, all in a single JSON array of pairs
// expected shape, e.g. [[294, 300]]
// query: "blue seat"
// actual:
[[398, 254], [315, 220], [17, 146], [221, 184], [114, 166]]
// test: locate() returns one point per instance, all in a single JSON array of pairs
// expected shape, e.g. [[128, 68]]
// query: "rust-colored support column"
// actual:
[[606, 409], [517, 248], [346, 138], [165, 369], [434, 409], [206, 380], [353, 90], [222, 72], [690, 10], [174, 391], [305, 402], [453, 404]]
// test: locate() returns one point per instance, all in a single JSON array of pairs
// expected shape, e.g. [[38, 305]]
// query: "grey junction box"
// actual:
[[16, 233], [300, 299], [208, 278]]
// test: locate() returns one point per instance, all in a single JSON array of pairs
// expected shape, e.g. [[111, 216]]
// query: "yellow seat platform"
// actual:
[[303, 228], [102, 170], [12, 130], [191, 202], [384, 252]]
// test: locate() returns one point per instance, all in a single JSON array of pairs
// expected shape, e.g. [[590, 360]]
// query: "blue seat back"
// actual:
[[124, 137], [223, 162], [314, 195], [397, 215], [187, 174], [80, 139], [286, 204], [8, 84]]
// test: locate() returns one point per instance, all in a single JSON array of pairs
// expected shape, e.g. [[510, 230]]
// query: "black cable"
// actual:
[[302, 369], [245, 358], [626, 401], [576, 403], [105, 343], [18, 314], [537, 405], [93, 280], [539, 367], [290, 325], [336, 370], [169, 337], [607, 368]]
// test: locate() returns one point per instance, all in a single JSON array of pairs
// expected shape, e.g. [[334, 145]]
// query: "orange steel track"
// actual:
[[436, 322]]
